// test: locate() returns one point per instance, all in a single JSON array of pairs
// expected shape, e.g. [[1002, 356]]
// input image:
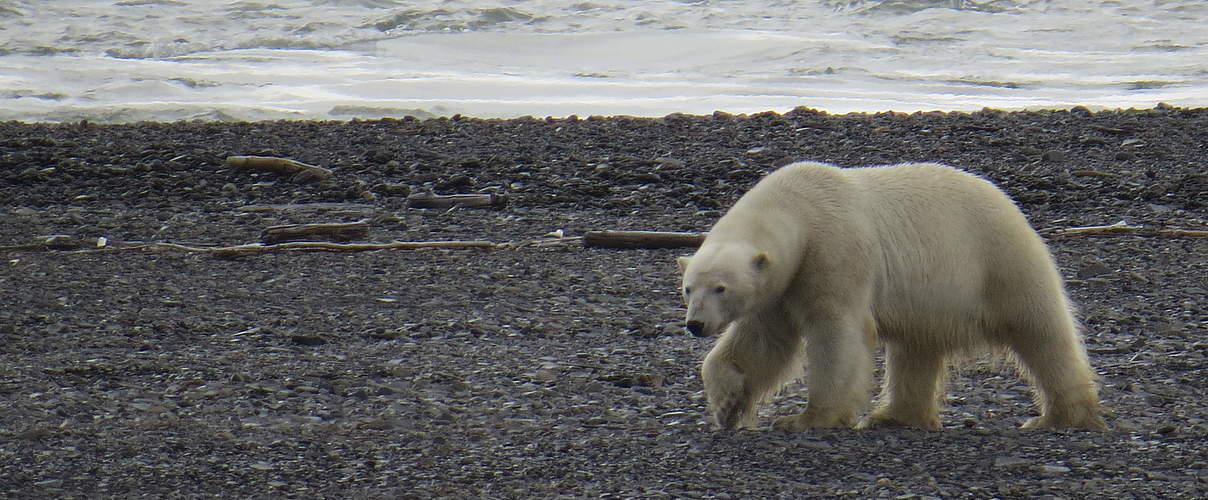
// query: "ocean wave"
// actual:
[[322, 58], [903, 7], [444, 20]]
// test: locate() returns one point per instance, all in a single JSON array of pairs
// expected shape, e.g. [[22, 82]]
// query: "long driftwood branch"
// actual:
[[355, 247], [1124, 228], [591, 239], [322, 245]]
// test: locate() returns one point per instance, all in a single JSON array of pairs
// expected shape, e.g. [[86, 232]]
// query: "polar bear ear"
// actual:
[[682, 263], [761, 261]]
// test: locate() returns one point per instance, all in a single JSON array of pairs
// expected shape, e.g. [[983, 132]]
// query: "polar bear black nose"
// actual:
[[697, 328]]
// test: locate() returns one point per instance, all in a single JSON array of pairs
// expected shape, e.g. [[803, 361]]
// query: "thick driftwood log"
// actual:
[[315, 232], [642, 239], [298, 171], [430, 200]]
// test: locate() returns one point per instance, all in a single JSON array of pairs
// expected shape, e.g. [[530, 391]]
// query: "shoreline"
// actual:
[[217, 116]]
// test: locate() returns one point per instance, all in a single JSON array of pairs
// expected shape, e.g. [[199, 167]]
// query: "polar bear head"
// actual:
[[722, 283]]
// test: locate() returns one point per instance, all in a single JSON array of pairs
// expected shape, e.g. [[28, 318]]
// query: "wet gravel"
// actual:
[[554, 371]]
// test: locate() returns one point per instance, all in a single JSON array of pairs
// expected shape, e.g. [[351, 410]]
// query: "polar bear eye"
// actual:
[[687, 291], [720, 289]]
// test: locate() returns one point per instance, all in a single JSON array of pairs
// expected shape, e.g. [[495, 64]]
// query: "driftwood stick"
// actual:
[[1182, 233], [1124, 228], [1108, 130], [312, 232], [60, 242], [300, 172], [1092, 173], [322, 245], [642, 239], [430, 200], [441, 244]]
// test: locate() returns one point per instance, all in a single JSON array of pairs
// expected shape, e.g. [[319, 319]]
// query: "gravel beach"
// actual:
[[541, 370]]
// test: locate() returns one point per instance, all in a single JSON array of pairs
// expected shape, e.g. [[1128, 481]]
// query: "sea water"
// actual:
[[130, 60]]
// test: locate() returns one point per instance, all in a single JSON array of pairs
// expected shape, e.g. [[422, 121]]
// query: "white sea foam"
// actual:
[[128, 60]]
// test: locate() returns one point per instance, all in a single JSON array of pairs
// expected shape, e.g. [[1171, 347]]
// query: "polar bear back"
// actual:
[[940, 255], [980, 264]]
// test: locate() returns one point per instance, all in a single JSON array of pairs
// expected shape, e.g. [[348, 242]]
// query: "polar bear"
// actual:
[[827, 263]]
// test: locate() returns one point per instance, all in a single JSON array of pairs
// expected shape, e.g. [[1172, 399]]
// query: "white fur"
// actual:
[[925, 258]]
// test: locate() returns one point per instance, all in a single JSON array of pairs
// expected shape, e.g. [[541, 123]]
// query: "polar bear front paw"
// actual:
[[731, 406], [729, 415]]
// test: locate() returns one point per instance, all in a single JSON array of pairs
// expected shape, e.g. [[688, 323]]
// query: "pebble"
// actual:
[[1092, 268], [1053, 155], [392, 189], [307, 339], [455, 183], [1011, 462]]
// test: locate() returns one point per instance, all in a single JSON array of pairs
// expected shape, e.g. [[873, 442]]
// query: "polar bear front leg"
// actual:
[[731, 401], [751, 360], [839, 374]]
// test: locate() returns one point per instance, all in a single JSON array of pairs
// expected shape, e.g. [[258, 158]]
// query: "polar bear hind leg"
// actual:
[[839, 373], [1050, 353]]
